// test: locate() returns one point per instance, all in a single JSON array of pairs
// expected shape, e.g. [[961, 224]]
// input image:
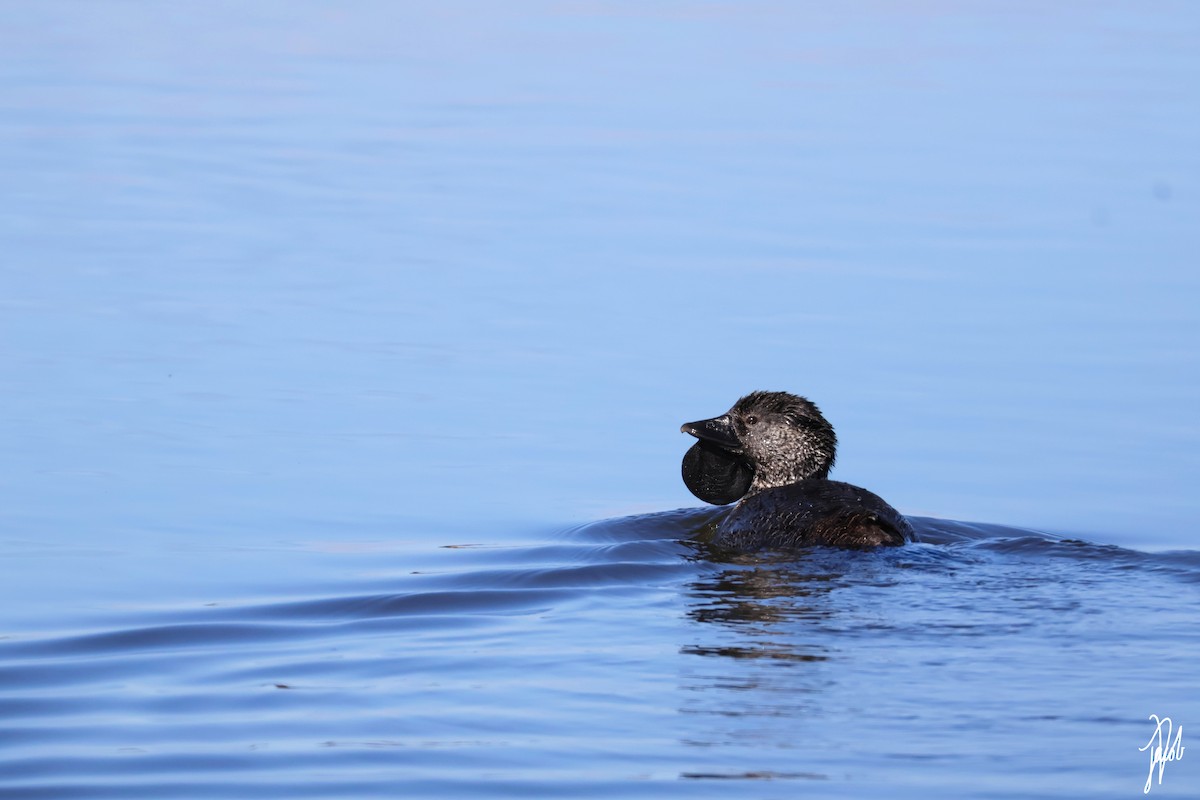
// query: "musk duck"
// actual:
[[772, 453]]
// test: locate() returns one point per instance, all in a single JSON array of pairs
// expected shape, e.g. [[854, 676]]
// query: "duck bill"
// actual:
[[718, 431]]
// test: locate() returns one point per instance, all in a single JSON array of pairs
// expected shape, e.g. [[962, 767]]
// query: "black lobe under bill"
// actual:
[[714, 474]]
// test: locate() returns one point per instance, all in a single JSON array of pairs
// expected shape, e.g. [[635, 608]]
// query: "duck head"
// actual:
[[767, 439]]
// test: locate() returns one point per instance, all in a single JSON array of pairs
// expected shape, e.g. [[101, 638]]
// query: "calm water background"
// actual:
[[325, 330]]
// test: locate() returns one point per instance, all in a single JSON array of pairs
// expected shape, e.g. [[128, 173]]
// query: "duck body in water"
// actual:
[[772, 453]]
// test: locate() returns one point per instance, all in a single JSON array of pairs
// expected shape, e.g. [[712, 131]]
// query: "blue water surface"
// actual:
[[344, 348]]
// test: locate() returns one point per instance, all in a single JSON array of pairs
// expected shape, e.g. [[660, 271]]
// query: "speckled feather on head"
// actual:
[[805, 446]]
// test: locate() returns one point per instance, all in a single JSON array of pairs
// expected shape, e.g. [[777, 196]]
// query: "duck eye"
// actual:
[[751, 420]]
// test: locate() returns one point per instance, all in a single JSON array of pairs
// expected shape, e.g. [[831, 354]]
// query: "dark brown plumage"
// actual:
[[774, 450]]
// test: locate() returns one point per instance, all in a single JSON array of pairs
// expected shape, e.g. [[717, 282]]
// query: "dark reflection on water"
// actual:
[[762, 593]]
